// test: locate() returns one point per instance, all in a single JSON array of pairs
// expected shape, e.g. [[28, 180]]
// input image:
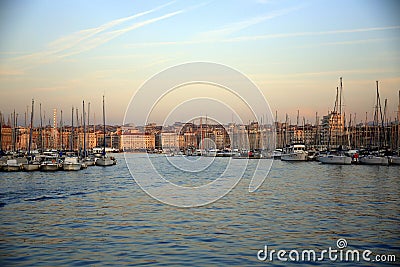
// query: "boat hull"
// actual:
[[30, 167], [294, 157], [395, 160], [49, 167], [105, 162], [12, 168], [89, 162], [374, 160], [72, 166], [333, 159]]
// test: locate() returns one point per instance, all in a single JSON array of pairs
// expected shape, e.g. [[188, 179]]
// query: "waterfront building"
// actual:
[[137, 141], [169, 141], [332, 129]]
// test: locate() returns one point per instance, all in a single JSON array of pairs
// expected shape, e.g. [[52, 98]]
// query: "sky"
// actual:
[[63, 52]]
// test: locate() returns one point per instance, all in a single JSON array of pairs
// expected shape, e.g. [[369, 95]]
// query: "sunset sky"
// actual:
[[63, 52]]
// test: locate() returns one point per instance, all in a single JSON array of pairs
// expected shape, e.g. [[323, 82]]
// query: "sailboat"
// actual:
[[32, 164], [87, 160], [338, 157], [104, 160], [72, 163], [376, 158]]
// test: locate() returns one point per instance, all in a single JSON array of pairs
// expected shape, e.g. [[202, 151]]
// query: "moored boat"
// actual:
[[71, 164], [295, 152], [50, 164], [12, 165], [335, 159], [31, 166], [89, 161], [277, 154], [374, 160], [105, 161], [395, 160]]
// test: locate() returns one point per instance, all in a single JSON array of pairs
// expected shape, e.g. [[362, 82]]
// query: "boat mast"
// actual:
[[72, 131], [62, 131], [26, 113], [84, 130], [88, 124], [384, 121], [41, 127], [398, 127], [286, 130], [342, 124], [13, 131], [378, 102], [104, 129], [77, 128], [30, 131]]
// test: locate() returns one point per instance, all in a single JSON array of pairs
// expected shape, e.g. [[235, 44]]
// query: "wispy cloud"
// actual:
[[74, 39], [278, 36], [108, 36], [300, 34], [238, 26], [88, 39]]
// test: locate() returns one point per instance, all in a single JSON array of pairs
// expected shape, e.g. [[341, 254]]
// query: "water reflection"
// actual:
[[99, 216]]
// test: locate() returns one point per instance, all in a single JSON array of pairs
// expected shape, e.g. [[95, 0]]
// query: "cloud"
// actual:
[[86, 39], [108, 36], [238, 26], [277, 36], [300, 34]]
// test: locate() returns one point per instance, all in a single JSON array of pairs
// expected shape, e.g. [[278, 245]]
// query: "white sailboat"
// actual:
[[72, 164], [50, 163], [32, 164], [340, 159], [376, 159], [104, 160], [337, 157]]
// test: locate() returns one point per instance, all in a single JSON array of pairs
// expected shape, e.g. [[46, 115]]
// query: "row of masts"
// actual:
[[82, 125], [379, 137]]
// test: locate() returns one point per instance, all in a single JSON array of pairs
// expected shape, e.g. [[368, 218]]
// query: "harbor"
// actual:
[[334, 139], [202, 133]]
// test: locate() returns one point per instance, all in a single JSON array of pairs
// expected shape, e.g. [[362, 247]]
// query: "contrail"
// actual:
[[88, 39]]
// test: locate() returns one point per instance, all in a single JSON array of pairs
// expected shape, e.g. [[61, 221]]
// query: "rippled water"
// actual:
[[100, 216]]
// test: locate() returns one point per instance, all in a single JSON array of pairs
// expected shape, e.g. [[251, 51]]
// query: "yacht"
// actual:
[[374, 160], [31, 165], [295, 152], [338, 158], [50, 163], [105, 161], [72, 164], [277, 154], [12, 165]]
